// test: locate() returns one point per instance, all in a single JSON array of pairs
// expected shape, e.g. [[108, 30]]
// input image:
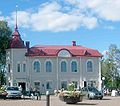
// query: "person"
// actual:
[[114, 92], [37, 94], [30, 91], [20, 88]]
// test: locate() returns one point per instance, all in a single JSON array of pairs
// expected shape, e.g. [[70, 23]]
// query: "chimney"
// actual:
[[74, 43], [27, 44]]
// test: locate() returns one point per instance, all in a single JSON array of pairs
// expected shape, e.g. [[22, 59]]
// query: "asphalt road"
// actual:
[[54, 101]]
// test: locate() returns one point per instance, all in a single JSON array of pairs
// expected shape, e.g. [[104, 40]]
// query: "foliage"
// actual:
[[5, 36], [71, 87], [71, 91], [111, 66], [71, 95]]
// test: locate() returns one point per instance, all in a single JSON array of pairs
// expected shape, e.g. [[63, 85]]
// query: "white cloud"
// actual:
[[49, 17], [105, 9], [54, 16], [105, 53]]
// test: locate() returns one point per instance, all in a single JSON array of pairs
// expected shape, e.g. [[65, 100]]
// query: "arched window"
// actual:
[[74, 66], [89, 66], [36, 66], [48, 66], [63, 66]]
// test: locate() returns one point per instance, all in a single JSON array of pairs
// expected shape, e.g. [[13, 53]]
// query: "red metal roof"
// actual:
[[16, 41], [54, 50]]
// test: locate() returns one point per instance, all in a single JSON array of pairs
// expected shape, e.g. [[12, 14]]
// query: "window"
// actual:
[[24, 67], [18, 67], [63, 66], [64, 85], [49, 85], [89, 66], [37, 85], [74, 66], [48, 66], [9, 68], [36, 66]]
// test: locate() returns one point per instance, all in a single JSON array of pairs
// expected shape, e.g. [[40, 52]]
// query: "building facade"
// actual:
[[51, 67]]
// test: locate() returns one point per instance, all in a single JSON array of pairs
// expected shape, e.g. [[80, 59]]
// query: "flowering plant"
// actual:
[[71, 95]]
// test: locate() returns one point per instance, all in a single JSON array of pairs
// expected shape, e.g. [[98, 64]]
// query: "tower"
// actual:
[[16, 59]]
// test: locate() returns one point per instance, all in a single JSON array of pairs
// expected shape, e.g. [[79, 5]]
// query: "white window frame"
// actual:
[[51, 86], [64, 53], [39, 84], [92, 66], [71, 65], [51, 65], [33, 65], [66, 65]]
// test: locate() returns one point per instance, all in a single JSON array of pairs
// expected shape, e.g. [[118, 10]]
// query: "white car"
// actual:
[[92, 93], [13, 92]]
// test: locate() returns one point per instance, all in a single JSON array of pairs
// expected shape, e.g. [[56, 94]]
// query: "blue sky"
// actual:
[[91, 23]]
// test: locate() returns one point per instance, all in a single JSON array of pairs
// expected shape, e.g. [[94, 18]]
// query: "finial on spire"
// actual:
[[16, 27]]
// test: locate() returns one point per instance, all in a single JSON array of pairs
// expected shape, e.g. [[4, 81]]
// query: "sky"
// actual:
[[91, 23]]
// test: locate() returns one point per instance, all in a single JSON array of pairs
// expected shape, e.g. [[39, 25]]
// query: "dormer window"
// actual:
[[64, 53]]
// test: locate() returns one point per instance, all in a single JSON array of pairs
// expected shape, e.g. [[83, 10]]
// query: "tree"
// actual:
[[5, 36], [111, 66]]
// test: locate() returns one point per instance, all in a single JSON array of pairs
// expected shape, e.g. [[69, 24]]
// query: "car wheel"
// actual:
[[89, 97]]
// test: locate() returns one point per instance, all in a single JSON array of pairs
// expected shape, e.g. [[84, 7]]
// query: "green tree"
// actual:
[[110, 67], [5, 35]]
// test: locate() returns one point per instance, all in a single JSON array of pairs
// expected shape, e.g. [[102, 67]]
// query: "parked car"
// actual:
[[92, 93], [13, 92]]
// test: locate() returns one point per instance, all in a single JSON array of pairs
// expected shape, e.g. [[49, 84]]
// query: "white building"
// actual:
[[51, 67]]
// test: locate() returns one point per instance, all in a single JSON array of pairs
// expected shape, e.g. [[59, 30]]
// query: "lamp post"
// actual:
[[47, 98], [103, 79]]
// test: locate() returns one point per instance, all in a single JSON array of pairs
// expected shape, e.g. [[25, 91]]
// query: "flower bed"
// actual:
[[71, 96], [3, 93]]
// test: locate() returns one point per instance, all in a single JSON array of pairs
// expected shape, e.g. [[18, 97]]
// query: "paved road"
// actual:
[[54, 101]]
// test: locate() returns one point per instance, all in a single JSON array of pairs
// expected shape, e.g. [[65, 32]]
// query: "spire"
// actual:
[[16, 27], [16, 41]]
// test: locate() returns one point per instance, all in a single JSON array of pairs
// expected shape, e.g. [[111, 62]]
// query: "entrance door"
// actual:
[[23, 85]]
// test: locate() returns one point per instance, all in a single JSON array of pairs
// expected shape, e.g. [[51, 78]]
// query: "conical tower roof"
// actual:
[[16, 41]]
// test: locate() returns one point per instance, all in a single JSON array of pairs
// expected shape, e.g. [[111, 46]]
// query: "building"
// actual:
[[51, 67]]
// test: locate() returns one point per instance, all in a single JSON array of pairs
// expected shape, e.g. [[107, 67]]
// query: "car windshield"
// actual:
[[13, 88], [92, 89]]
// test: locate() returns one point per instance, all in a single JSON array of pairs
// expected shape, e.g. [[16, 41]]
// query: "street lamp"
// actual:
[[103, 79]]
